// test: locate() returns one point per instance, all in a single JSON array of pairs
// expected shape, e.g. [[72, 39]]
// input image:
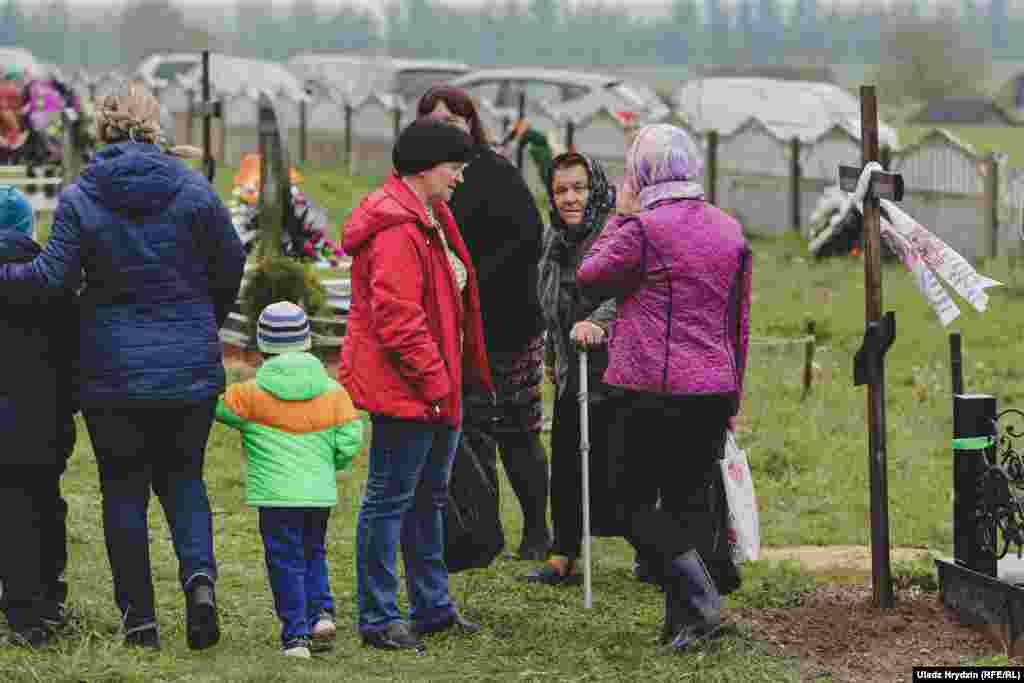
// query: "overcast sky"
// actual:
[[637, 7]]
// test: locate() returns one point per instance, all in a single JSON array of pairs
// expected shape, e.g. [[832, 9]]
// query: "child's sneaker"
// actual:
[[299, 647], [324, 632]]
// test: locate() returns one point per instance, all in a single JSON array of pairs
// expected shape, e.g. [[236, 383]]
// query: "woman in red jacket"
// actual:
[[414, 337]]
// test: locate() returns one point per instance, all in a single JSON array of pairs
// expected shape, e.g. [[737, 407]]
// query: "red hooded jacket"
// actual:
[[402, 354]]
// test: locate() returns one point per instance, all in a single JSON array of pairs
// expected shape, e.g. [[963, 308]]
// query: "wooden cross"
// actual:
[[869, 362]]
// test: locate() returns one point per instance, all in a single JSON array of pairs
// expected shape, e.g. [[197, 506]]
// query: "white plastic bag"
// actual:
[[744, 531]]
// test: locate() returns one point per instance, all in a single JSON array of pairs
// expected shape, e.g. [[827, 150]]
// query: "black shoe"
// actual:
[[56, 617], [644, 573], [549, 575], [395, 636], [32, 638], [147, 638], [535, 547], [202, 623], [458, 625]]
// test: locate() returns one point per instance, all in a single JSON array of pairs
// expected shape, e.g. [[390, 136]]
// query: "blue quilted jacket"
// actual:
[[162, 265]]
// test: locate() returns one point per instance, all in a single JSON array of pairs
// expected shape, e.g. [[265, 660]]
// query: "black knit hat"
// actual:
[[425, 143]]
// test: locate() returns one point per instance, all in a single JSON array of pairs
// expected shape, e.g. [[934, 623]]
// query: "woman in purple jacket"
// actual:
[[679, 269]]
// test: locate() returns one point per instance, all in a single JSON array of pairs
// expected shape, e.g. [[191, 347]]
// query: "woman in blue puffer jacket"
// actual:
[[162, 266]]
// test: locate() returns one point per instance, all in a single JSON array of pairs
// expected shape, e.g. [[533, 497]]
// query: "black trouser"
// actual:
[[522, 456], [160, 446], [35, 535], [606, 446], [675, 444]]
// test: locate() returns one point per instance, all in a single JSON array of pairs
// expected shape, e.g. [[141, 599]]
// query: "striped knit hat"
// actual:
[[282, 328]]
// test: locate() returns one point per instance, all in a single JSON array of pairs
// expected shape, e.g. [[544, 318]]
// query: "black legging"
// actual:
[[675, 444], [522, 456]]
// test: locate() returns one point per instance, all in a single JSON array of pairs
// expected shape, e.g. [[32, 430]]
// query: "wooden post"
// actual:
[[880, 568], [191, 116], [397, 122], [956, 367], [208, 164], [794, 178], [303, 122], [992, 208], [1011, 262], [71, 154], [809, 360], [222, 143], [570, 135], [349, 159], [711, 168]]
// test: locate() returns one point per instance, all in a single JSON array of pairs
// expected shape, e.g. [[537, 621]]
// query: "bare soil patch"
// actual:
[[837, 635]]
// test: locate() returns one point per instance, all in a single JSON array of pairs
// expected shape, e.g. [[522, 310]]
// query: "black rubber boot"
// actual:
[[201, 620], [693, 606]]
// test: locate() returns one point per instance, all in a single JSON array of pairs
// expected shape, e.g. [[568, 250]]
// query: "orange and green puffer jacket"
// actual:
[[299, 428]]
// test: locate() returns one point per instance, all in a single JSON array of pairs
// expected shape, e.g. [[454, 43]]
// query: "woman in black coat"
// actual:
[[504, 231]]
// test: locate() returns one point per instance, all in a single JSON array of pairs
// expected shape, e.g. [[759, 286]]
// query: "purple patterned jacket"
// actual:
[[680, 272]]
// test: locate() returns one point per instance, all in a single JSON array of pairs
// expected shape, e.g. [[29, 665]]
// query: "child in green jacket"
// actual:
[[299, 428]]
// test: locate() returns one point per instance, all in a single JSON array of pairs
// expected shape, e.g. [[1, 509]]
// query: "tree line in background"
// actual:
[[531, 32]]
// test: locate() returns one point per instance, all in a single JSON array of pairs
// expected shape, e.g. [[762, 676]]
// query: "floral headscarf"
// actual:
[[599, 203], [664, 163]]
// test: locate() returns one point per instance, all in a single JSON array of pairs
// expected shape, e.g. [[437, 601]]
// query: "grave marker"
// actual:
[[869, 363]]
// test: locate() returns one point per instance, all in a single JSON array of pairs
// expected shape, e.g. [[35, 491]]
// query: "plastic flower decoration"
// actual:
[[307, 238]]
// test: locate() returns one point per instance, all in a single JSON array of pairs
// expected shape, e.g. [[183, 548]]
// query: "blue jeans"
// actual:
[[162, 446], [405, 456], [294, 543]]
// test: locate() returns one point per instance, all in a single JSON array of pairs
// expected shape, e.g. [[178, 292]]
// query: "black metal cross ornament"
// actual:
[[208, 109], [869, 362]]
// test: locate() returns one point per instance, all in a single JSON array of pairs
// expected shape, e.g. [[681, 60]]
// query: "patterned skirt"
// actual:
[[518, 376]]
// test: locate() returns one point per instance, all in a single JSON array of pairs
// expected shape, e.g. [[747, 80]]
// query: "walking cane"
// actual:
[[585, 455]]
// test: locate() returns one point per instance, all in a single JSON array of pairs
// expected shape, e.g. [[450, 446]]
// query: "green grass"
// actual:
[[810, 467]]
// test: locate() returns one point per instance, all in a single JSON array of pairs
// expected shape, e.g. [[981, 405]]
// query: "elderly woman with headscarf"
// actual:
[[679, 269], [162, 266], [581, 201]]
